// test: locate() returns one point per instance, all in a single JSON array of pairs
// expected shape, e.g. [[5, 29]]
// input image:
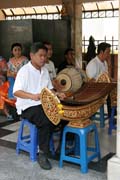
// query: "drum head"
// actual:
[[50, 105], [65, 82], [69, 79]]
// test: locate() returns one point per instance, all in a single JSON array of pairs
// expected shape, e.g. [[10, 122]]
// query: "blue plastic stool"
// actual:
[[11, 84], [111, 120], [29, 143], [100, 116], [80, 147]]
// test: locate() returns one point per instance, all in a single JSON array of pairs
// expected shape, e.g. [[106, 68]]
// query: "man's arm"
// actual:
[[26, 95], [91, 70]]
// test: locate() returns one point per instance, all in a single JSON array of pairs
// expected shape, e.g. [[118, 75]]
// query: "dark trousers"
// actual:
[[37, 116]]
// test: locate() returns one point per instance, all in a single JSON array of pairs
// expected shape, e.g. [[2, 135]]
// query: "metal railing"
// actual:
[[112, 41]]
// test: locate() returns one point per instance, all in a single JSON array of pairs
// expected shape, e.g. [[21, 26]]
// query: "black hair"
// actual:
[[103, 46], [47, 43], [67, 50], [36, 46], [16, 44]]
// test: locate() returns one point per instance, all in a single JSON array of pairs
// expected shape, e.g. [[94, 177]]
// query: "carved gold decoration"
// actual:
[[79, 124], [113, 94], [52, 110]]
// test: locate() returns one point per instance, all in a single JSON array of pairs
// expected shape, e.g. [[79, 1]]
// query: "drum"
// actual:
[[69, 79]]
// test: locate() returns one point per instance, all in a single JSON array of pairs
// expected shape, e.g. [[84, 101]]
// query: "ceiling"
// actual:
[[55, 9]]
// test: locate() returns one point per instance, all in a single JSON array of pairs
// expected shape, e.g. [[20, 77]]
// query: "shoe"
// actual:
[[10, 118], [44, 162]]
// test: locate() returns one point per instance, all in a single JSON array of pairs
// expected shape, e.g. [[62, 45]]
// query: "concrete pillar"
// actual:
[[78, 33], [114, 163], [74, 10]]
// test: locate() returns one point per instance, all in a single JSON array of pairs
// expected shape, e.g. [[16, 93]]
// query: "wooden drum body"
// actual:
[[69, 79]]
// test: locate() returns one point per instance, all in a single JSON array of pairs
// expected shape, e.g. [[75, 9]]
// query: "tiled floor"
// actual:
[[13, 167]]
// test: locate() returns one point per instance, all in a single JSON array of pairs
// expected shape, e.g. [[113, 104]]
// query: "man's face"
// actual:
[[50, 50], [106, 54], [70, 56], [39, 58]]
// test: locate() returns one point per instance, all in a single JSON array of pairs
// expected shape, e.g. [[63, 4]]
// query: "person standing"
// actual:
[[91, 51]]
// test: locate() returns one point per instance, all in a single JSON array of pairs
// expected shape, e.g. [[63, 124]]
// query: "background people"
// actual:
[[14, 64], [98, 65], [69, 60], [49, 64], [91, 51], [4, 87]]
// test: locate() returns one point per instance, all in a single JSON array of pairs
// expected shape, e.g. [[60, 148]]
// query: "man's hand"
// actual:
[[56, 85], [60, 95], [35, 97]]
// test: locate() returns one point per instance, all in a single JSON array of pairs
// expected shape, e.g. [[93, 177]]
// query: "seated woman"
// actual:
[[4, 87], [14, 64]]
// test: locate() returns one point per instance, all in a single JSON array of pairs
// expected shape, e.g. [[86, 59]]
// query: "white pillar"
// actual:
[[113, 172], [78, 33]]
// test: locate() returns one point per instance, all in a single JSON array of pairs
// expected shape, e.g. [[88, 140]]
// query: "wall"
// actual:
[[55, 31], [29, 31], [12, 32]]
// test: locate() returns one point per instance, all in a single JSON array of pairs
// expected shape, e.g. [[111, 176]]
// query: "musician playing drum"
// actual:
[[30, 81]]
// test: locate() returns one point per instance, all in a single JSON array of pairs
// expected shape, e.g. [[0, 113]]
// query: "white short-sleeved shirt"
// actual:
[[51, 69], [95, 67], [31, 80]]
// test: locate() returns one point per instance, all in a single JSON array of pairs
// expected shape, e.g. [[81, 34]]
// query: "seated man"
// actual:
[[29, 82], [69, 55], [98, 65]]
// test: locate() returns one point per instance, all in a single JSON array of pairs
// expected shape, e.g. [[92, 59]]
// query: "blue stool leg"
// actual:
[[111, 121], [62, 154], [20, 132], [11, 84], [102, 120], [33, 137], [83, 152], [97, 146]]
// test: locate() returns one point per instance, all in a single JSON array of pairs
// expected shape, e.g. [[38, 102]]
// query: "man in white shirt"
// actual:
[[98, 65], [30, 80]]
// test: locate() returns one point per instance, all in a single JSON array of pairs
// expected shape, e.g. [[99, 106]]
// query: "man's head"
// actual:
[[104, 51], [38, 55], [70, 56], [48, 45]]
